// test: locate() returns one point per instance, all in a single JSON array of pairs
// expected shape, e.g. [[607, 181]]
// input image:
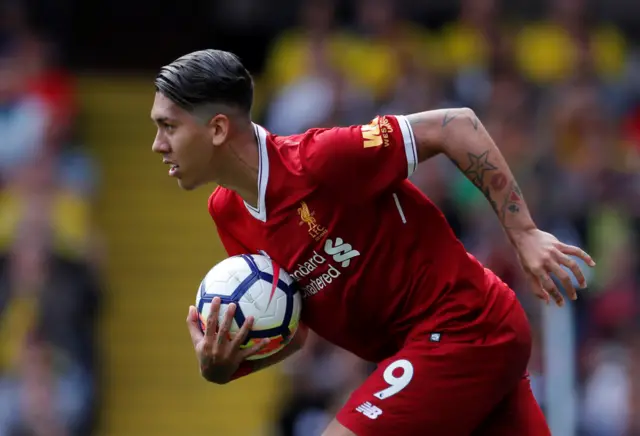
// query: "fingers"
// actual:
[[538, 289], [193, 324], [565, 279], [225, 327], [549, 287], [574, 267], [576, 251], [242, 334], [255, 348], [212, 320]]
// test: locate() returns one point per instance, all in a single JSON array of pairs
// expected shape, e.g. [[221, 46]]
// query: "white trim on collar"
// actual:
[[260, 213]]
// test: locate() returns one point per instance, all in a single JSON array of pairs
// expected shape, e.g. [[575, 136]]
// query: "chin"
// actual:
[[189, 185], [186, 186]]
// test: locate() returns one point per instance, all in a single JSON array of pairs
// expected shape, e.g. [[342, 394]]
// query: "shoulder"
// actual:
[[288, 153], [221, 203]]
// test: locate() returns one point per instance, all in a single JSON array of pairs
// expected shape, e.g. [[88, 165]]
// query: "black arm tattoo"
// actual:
[[477, 170], [474, 123], [448, 118], [478, 166], [512, 204], [484, 167]]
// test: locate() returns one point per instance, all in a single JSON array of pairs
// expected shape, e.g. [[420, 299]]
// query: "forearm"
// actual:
[[460, 135]]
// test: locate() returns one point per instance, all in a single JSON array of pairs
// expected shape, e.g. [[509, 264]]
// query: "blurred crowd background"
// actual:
[[100, 254]]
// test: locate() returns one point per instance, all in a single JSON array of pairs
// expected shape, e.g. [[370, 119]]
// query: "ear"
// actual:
[[219, 126]]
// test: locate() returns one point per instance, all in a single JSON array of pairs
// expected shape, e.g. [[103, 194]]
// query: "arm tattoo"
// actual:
[[474, 123], [477, 157], [447, 119], [478, 166], [493, 185], [498, 182], [512, 205], [475, 171]]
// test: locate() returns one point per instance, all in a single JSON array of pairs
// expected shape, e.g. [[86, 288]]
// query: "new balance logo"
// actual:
[[340, 251], [369, 410]]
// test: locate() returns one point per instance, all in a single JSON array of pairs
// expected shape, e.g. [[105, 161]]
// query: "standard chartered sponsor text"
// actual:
[[315, 283]]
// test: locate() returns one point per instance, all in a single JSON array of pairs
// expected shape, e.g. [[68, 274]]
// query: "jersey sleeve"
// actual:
[[232, 246], [361, 160]]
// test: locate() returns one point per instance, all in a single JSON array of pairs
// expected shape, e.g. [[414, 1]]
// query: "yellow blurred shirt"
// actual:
[[376, 64], [70, 221], [70, 216], [369, 63], [462, 47], [289, 58], [545, 52]]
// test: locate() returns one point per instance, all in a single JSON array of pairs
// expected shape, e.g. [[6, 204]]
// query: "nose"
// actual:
[[160, 145]]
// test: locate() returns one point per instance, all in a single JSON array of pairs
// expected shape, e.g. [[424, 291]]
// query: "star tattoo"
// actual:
[[478, 166]]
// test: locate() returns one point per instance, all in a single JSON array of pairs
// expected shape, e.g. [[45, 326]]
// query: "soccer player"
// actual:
[[381, 273]]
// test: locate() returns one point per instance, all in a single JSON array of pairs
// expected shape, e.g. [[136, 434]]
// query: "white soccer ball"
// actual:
[[261, 289]]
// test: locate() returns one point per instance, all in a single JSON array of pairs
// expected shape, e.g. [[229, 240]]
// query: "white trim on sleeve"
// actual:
[[409, 144]]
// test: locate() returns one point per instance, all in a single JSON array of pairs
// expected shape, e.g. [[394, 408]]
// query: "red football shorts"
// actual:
[[438, 386]]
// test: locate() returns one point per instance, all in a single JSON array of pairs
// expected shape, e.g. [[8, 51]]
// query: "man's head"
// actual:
[[202, 101]]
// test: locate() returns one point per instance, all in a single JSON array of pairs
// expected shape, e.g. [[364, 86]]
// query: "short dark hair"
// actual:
[[206, 77]]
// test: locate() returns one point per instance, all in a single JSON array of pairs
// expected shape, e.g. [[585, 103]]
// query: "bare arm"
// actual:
[[460, 135]]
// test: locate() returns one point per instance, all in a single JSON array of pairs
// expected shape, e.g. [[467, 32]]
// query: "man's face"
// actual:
[[185, 143]]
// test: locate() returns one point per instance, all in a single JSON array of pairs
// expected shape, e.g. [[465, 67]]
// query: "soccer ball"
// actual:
[[260, 288]]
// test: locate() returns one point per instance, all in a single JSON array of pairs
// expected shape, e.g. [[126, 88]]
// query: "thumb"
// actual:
[[193, 324]]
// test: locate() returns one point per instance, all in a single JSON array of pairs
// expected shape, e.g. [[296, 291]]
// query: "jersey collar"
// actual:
[[260, 212]]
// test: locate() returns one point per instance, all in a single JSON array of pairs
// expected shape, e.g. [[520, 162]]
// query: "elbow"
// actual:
[[442, 131], [466, 113]]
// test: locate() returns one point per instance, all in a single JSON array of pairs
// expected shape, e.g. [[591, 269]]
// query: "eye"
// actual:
[[170, 128]]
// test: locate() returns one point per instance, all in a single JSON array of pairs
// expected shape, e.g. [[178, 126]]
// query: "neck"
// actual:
[[241, 170]]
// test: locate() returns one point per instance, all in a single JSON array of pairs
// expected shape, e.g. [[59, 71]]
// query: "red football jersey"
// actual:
[[376, 260]]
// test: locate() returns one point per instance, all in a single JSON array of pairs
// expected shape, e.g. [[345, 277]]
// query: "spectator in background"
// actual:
[[630, 156], [568, 41], [24, 120], [634, 376], [48, 280], [50, 378], [293, 54], [472, 47], [53, 85], [25, 170], [386, 44], [305, 66], [475, 39], [607, 394]]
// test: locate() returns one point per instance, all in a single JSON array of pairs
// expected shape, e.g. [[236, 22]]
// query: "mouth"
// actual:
[[173, 169]]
